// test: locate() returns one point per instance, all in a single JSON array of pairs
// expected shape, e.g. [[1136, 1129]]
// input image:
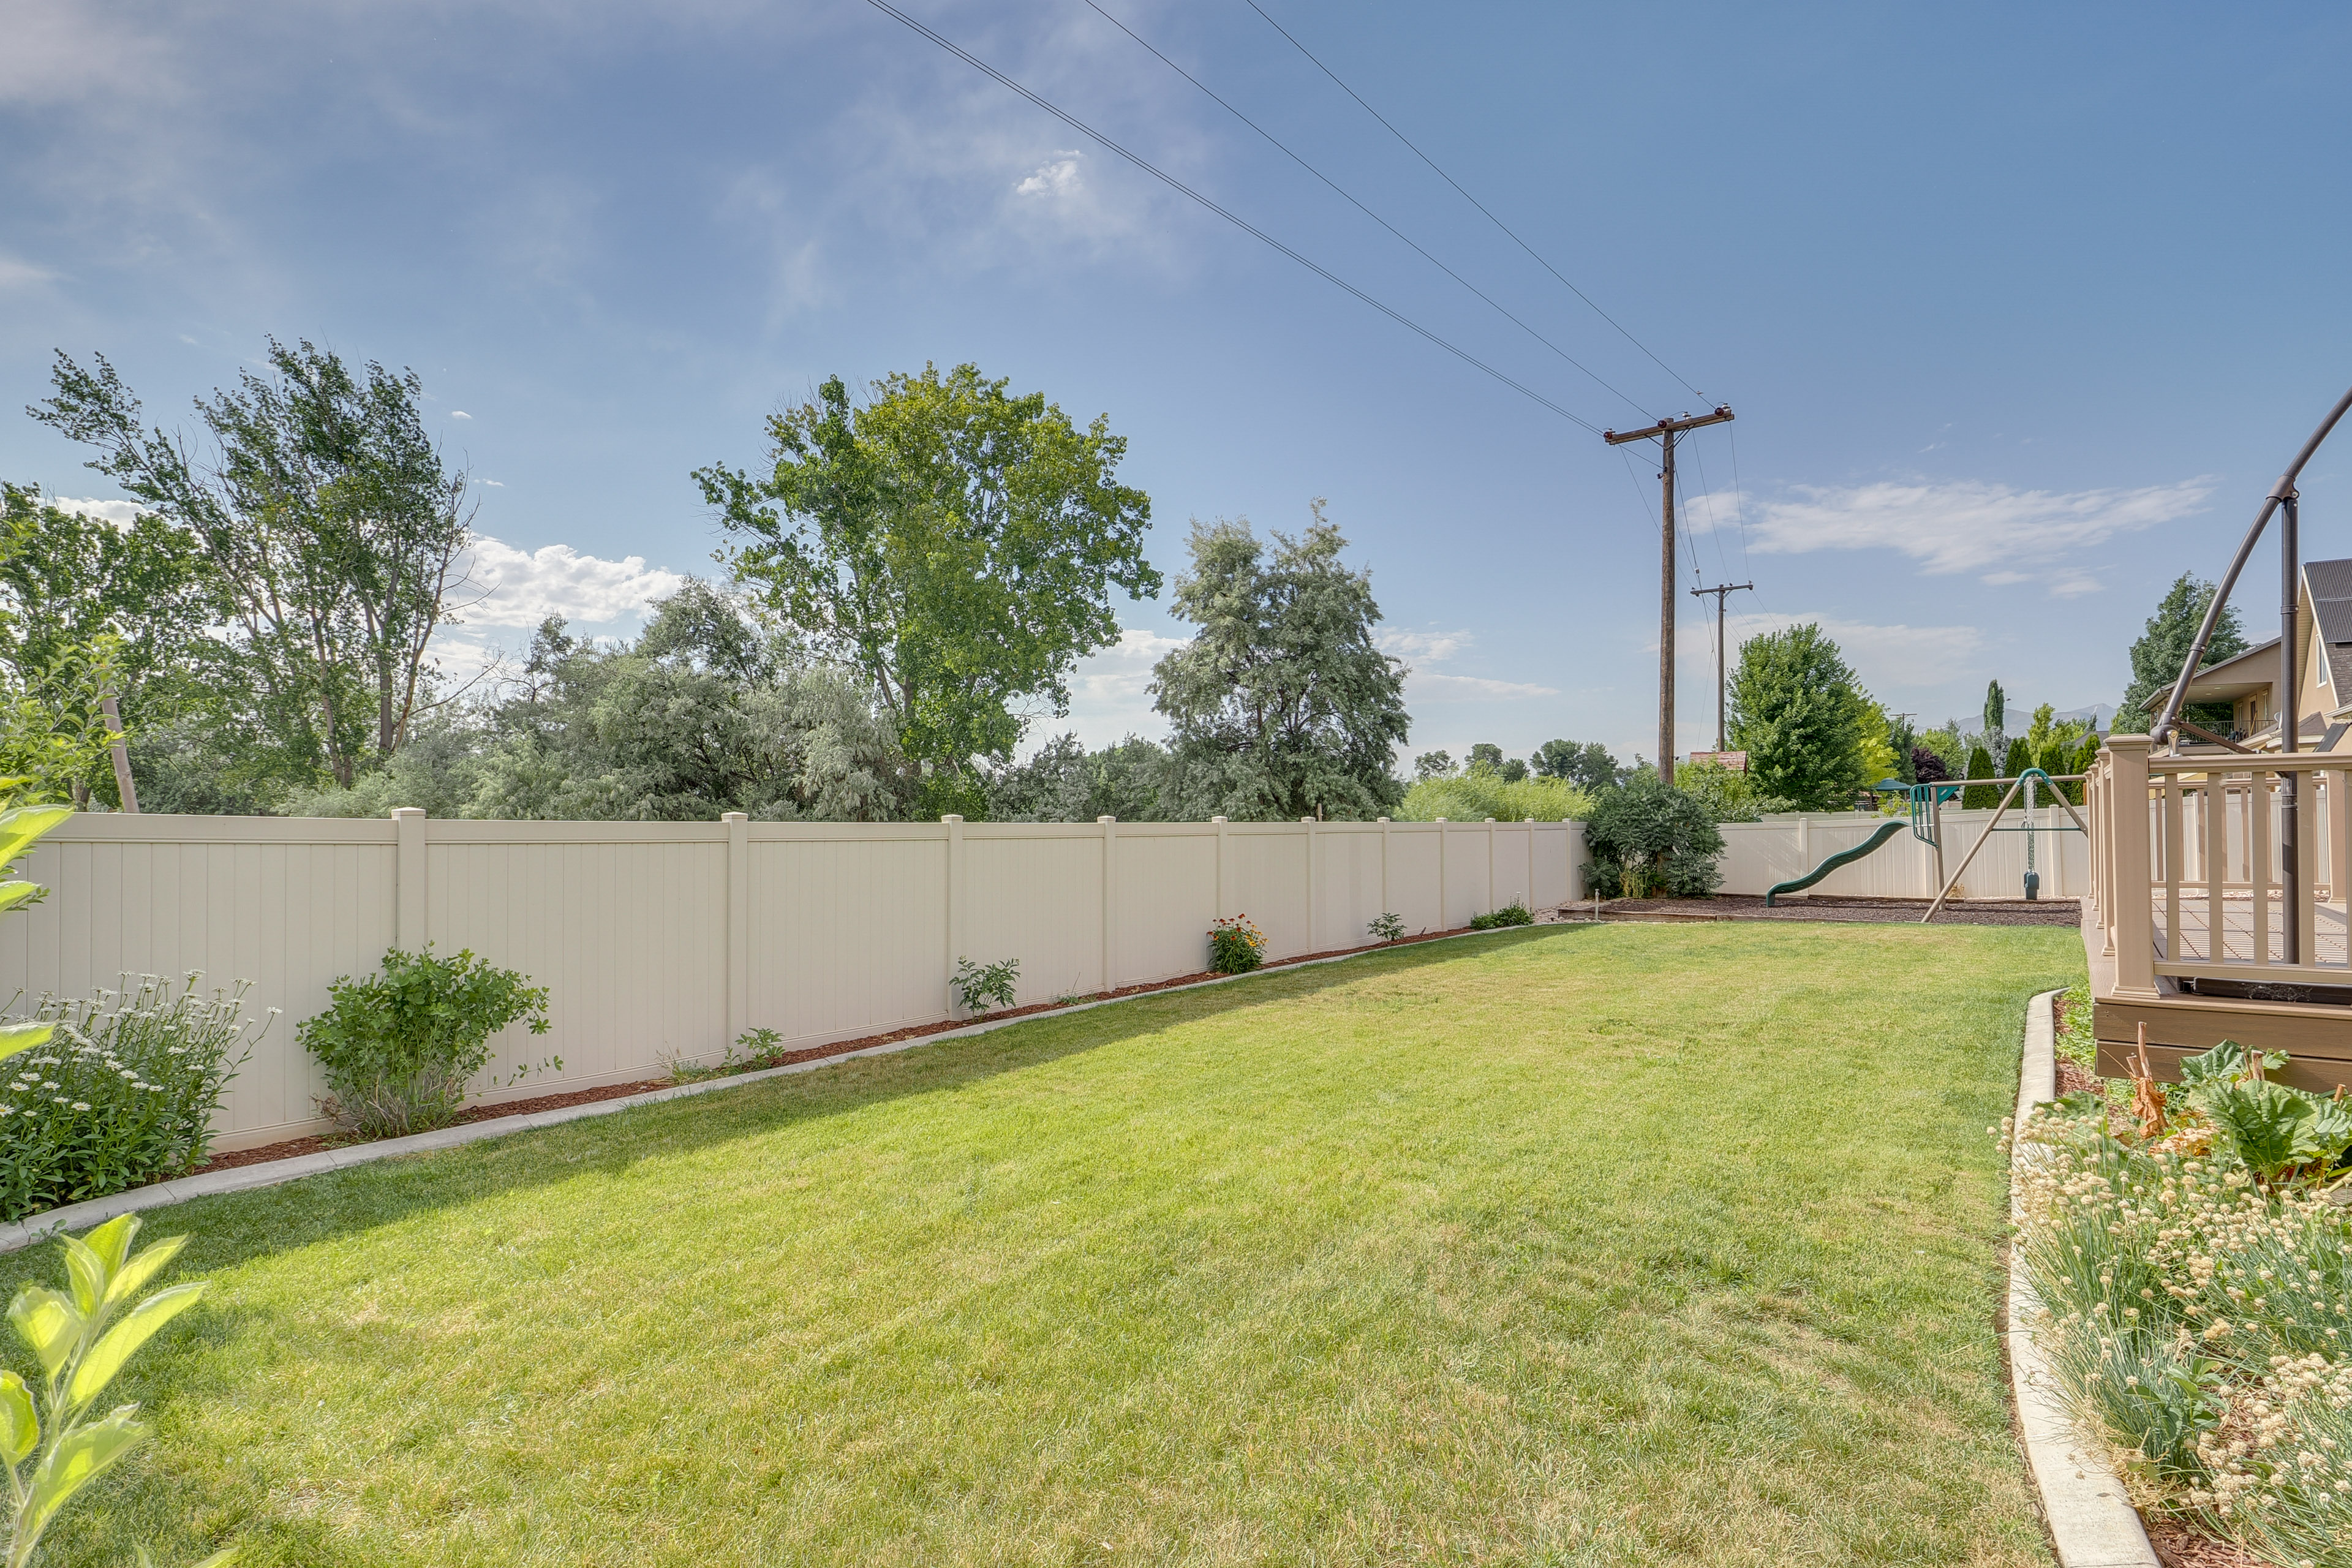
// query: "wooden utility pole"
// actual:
[[1666, 433], [1720, 592]]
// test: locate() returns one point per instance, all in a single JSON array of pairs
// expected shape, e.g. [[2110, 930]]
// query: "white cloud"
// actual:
[[523, 587], [496, 484], [1968, 525], [459, 414], [1429, 646], [1111, 695], [1057, 177], [1883, 654], [117, 512], [1425, 686], [17, 274]]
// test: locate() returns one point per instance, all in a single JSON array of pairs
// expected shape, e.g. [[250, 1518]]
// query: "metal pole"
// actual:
[[2163, 727], [1667, 613], [2290, 721]]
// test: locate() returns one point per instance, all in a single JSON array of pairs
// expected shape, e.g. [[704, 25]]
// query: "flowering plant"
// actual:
[[1235, 946], [121, 1093], [2197, 1308]]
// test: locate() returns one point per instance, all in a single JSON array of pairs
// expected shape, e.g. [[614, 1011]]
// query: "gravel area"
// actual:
[[1750, 907]]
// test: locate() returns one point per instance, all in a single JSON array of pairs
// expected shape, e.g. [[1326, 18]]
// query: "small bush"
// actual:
[[399, 1047], [122, 1095], [1385, 928], [1514, 913], [1645, 838], [979, 984], [1235, 946]]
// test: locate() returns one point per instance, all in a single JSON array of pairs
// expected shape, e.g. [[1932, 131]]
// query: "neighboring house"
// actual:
[[2249, 682]]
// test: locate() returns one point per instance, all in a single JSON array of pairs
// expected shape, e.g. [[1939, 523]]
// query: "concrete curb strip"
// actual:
[[2091, 1522], [16, 1237]]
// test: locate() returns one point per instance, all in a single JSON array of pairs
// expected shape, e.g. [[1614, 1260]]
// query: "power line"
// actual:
[[1075, 123], [1474, 201], [1283, 148]]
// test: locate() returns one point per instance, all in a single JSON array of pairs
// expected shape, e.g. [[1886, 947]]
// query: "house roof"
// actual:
[[2328, 585]]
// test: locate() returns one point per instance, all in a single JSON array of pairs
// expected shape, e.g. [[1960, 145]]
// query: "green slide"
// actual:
[[1843, 858]]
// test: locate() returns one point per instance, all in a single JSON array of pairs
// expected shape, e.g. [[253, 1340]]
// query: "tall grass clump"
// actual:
[[1479, 794], [122, 1093], [2196, 1310]]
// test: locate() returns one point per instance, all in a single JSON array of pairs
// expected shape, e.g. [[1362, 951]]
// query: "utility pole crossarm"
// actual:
[[1722, 416]]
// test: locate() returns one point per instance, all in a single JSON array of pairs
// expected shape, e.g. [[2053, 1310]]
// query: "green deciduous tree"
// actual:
[[1590, 766], [2163, 646], [954, 542], [1067, 783], [335, 532], [1802, 718], [1281, 705]]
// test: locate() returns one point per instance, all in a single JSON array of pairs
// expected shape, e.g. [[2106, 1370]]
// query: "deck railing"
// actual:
[[2186, 868]]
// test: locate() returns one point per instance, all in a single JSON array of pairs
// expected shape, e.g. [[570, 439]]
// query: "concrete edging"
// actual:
[[2091, 1520], [21, 1234]]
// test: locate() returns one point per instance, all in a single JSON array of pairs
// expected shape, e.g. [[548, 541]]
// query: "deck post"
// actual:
[[2133, 923]]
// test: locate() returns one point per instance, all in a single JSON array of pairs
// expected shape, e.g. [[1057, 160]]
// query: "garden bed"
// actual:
[[1804, 907]]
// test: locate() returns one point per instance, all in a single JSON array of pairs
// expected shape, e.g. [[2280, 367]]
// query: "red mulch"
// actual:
[[2183, 1546], [294, 1148]]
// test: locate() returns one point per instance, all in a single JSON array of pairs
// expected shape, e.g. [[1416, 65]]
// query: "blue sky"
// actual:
[[2020, 307]]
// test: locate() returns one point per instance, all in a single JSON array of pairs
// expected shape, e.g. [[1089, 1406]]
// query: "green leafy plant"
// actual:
[[1235, 946], [20, 828], [1648, 836], [753, 1049], [1387, 928], [81, 1336], [978, 985], [1515, 913], [400, 1046], [122, 1094], [2276, 1131]]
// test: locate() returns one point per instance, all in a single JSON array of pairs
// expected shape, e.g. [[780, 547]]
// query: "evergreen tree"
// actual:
[[1979, 797], [2163, 645]]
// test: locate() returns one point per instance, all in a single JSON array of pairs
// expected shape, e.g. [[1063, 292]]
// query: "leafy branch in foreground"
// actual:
[[82, 1336]]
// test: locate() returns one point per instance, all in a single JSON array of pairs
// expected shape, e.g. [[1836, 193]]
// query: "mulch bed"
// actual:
[[294, 1148], [1751, 906]]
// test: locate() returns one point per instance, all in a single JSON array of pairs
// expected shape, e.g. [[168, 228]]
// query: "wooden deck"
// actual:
[[2316, 1037], [2330, 931]]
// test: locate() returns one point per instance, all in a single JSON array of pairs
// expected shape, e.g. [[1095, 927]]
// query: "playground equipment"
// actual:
[[2027, 781], [1843, 858]]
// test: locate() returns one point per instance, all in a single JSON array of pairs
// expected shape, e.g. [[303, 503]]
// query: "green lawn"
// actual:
[[1575, 1245]]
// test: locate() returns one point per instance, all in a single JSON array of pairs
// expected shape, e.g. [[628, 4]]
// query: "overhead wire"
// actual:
[[1474, 201], [922, 30], [1279, 145]]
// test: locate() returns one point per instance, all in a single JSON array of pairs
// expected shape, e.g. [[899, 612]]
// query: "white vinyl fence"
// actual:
[[1758, 853], [668, 939]]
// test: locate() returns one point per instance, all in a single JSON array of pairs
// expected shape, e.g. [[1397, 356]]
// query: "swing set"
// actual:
[[1926, 810]]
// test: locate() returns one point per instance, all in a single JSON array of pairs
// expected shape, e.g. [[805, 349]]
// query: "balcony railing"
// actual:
[[2187, 869]]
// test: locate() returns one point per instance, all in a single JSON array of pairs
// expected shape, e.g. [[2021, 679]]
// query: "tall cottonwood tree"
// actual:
[[954, 542], [1281, 706], [335, 532]]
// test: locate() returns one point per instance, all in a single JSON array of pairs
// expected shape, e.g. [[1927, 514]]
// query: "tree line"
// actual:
[[908, 584]]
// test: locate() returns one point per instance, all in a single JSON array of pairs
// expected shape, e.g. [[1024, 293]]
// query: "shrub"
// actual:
[[1646, 836], [1475, 796], [1979, 797], [400, 1046], [81, 1337], [1386, 928], [1235, 946], [1515, 913], [122, 1095], [979, 984]]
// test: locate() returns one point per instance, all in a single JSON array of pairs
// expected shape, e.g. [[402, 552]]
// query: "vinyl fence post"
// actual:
[[1314, 881], [1109, 826], [1492, 895], [1384, 866], [1223, 907], [954, 912], [1530, 894], [408, 933], [738, 924], [1441, 905]]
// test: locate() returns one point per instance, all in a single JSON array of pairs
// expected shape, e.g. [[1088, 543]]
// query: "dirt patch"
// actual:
[[1751, 906]]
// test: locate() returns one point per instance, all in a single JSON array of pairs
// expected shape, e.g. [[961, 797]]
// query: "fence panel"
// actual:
[[1167, 897], [848, 935]]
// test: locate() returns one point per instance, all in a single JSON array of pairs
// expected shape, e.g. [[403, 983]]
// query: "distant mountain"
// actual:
[[2101, 716]]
